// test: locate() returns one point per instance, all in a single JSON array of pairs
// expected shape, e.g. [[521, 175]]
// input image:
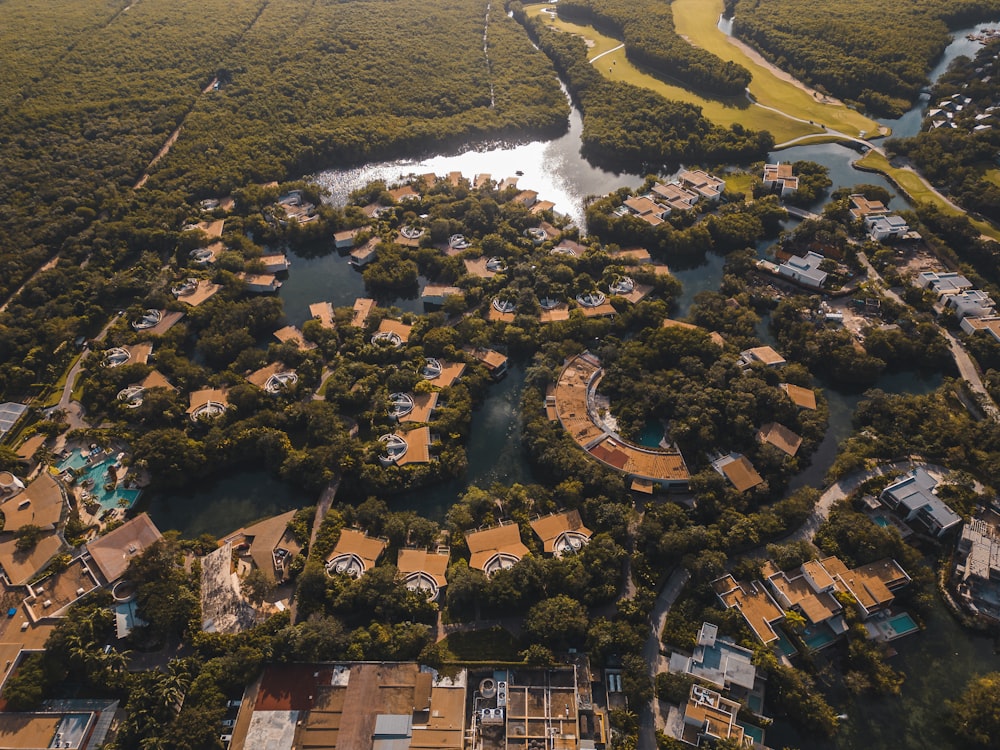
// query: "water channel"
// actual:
[[937, 662]]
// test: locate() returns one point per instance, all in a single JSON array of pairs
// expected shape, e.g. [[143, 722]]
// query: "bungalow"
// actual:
[[764, 355], [482, 180], [780, 437], [442, 373], [495, 549], [362, 256], [401, 448], [260, 283], [436, 294], [569, 247], [805, 270], [804, 398], [355, 553], [739, 471], [778, 177], [323, 312], [424, 570], [412, 407], [561, 533], [207, 403], [540, 206], [404, 193], [507, 182], [195, 291], [913, 498], [526, 198], [495, 362], [392, 332], [275, 263], [362, 309], [973, 303], [455, 179], [344, 240], [292, 335], [862, 207]]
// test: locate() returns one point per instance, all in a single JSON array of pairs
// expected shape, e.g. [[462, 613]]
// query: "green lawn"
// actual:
[[697, 21], [919, 190], [494, 644], [738, 182], [617, 67]]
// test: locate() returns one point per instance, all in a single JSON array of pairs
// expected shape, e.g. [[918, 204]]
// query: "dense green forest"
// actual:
[[91, 99], [877, 57], [625, 126], [647, 28], [957, 157]]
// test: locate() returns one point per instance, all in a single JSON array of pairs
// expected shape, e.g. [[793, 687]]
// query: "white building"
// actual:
[[805, 269], [973, 303]]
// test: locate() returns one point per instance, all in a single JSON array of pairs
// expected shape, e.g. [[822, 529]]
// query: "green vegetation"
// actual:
[[651, 42], [837, 48], [974, 714]]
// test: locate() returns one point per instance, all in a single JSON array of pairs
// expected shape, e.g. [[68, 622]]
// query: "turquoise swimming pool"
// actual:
[[903, 623], [93, 478], [881, 521], [817, 639]]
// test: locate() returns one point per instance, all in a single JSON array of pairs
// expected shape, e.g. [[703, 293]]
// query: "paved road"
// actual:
[[650, 717]]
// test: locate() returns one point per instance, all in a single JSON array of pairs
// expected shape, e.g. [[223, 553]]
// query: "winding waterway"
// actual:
[[937, 662]]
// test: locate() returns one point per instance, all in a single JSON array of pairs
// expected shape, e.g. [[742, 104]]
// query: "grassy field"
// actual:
[[697, 21], [617, 67], [738, 182], [919, 190]]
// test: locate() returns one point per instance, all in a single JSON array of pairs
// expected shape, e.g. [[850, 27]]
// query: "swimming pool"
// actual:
[[817, 639], [902, 624], [93, 478], [881, 521]]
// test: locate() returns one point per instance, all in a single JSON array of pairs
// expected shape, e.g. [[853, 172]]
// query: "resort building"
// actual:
[[646, 209], [362, 256], [553, 311], [914, 499], [561, 533], [268, 546], [572, 403], [213, 229], [409, 236], [401, 448], [943, 283], [195, 291], [344, 240], [292, 335], [274, 379], [756, 605], [404, 193], [40, 504], [804, 398], [778, 177], [990, 325], [275, 263], [484, 179], [207, 403], [780, 437], [763, 355], [971, 303], [708, 717], [392, 332], [638, 254], [704, 184], [424, 570], [739, 471], [571, 248], [862, 207], [717, 660], [360, 706], [494, 361], [323, 312], [494, 549], [355, 553], [412, 407], [805, 270], [260, 283], [112, 553], [79, 724], [27, 452], [436, 294], [595, 305], [296, 207], [886, 227], [479, 267], [442, 373], [673, 197], [137, 354], [363, 307]]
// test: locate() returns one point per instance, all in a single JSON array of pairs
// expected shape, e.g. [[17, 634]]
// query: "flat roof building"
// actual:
[[914, 499], [805, 270]]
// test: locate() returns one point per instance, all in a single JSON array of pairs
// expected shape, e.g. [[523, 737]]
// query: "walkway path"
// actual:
[[598, 57], [51, 263]]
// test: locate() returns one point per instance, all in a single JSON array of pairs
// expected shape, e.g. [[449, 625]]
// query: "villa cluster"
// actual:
[[881, 224], [973, 307], [677, 196]]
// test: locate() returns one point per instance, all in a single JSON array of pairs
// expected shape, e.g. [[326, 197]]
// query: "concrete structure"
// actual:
[[260, 283], [702, 183], [436, 294], [764, 355], [195, 291], [978, 565], [971, 303], [363, 307], [571, 401], [709, 717], [442, 373], [362, 256], [739, 471], [862, 207], [805, 270], [344, 240], [990, 325], [275, 263], [913, 498], [942, 283], [886, 227], [268, 545], [495, 549], [778, 177], [717, 660], [409, 447], [323, 312]]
